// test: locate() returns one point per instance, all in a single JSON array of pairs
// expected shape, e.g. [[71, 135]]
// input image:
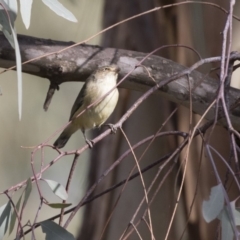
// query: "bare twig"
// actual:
[[68, 184]]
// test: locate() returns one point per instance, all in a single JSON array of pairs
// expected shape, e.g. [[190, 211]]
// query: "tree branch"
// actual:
[[77, 63]]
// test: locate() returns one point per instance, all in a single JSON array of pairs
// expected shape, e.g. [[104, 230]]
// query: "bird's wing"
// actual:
[[78, 102]]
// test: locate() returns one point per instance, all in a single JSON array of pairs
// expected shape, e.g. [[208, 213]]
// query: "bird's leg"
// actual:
[[111, 126], [89, 142]]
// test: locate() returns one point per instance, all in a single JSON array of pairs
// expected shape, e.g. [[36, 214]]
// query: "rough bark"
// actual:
[[76, 63]]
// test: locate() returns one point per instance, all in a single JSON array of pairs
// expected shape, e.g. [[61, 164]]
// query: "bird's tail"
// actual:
[[64, 137]]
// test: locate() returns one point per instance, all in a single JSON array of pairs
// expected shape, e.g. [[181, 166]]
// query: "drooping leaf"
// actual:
[[226, 223], [14, 215], [57, 189], [60, 10], [5, 215], [8, 14], [19, 72], [236, 213], [59, 205], [27, 191], [13, 6], [25, 8], [226, 228], [55, 232], [212, 207]]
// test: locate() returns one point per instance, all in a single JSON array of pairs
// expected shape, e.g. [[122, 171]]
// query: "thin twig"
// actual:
[[142, 180], [124, 21], [74, 163]]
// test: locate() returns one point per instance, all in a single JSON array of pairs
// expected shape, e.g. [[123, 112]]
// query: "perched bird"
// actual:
[[98, 84]]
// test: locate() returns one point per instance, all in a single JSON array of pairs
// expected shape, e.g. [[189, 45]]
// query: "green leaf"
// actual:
[[8, 14], [25, 8], [27, 191], [12, 7], [59, 205], [226, 223], [212, 208], [235, 212], [5, 215], [19, 72], [8, 11], [60, 10], [226, 228], [55, 232], [57, 189], [14, 215]]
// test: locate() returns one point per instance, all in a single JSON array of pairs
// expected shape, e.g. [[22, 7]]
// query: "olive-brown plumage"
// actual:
[[98, 84]]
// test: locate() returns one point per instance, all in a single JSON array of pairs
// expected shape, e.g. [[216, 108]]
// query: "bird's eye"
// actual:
[[105, 69]]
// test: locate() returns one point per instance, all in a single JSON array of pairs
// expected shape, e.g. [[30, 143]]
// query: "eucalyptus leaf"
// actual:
[[25, 8], [57, 189], [226, 228], [14, 215], [8, 14], [55, 232], [212, 207], [27, 191], [19, 72], [226, 223], [60, 10], [235, 212], [11, 7], [59, 205], [5, 215]]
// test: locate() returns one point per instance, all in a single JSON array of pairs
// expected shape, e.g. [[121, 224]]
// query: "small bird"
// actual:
[[99, 83]]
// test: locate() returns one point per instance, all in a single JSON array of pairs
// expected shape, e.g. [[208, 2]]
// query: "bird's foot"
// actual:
[[90, 143], [111, 126]]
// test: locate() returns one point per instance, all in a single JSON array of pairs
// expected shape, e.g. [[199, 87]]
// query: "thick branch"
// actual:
[[76, 63]]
